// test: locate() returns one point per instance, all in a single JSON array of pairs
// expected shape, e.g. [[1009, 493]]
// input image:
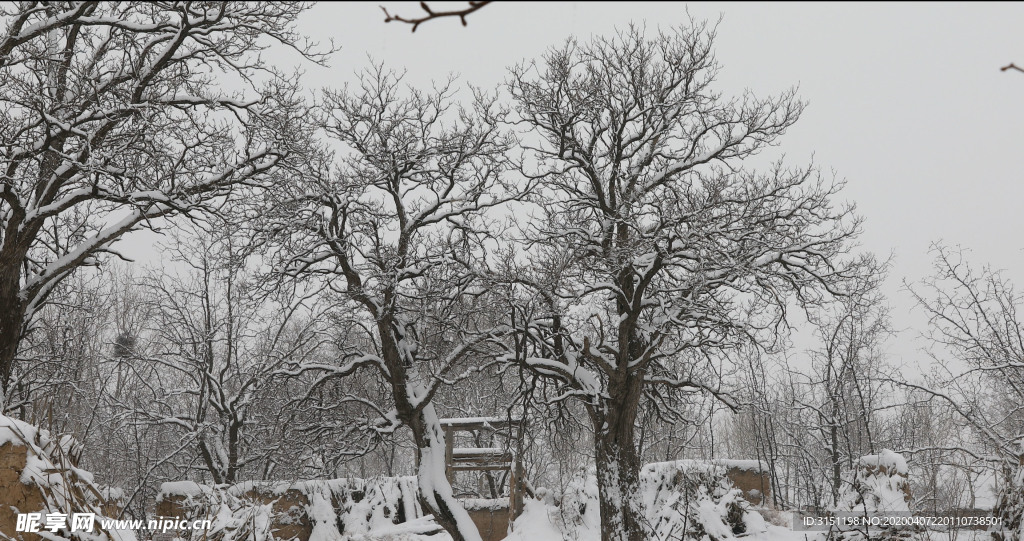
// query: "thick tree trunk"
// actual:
[[12, 321], [618, 463], [18, 236], [618, 481], [435, 492], [10, 336]]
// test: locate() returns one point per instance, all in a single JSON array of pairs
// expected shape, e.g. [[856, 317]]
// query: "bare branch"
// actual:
[[432, 15]]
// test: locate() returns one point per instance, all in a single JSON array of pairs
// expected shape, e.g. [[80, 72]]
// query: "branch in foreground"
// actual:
[[431, 14], [1010, 66]]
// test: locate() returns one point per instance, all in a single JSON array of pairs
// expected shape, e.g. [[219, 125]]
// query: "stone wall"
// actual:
[[287, 507], [14, 493], [751, 477], [337, 507], [492, 523], [39, 474], [755, 484]]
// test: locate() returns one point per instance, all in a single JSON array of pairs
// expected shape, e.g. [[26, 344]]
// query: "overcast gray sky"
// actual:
[[906, 101]]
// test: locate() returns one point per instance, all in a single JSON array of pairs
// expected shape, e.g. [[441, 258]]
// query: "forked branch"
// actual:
[[431, 14]]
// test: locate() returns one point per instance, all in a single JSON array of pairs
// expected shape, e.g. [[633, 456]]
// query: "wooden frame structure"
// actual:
[[508, 458]]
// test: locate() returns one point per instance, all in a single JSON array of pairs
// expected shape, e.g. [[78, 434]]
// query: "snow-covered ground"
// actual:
[[689, 500], [678, 500], [540, 522]]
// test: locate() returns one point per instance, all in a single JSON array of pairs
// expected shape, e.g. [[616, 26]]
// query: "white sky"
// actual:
[[906, 101]]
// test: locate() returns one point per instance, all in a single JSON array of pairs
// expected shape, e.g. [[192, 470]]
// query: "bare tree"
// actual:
[[931, 435], [81, 366], [657, 251], [395, 228], [177, 374], [845, 383], [978, 348], [220, 341], [111, 117], [759, 429]]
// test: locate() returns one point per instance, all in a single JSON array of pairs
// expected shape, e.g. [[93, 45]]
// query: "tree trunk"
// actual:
[[618, 481], [618, 463], [18, 237], [837, 471], [12, 320], [435, 492]]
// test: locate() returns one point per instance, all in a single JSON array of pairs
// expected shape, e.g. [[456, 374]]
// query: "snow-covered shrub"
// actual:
[[879, 486], [231, 517], [1009, 509], [573, 514], [695, 500], [681, 500]]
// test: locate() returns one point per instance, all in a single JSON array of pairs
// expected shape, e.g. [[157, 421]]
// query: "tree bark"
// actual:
[[12, 322], [617, 461], [435, 492]]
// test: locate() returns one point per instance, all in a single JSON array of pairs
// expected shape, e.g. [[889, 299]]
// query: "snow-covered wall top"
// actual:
[[320, 510], [879, 486], [891, 461], [688, 464], [340, 508]]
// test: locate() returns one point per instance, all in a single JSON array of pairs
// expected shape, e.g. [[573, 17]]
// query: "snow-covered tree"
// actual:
[[655, 249], [978, 348], [393, 222], [845, 385], [1009, 509], [218, 343], [114, 115]]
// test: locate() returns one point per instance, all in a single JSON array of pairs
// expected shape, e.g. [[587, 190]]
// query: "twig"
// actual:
[[1010, 66], [431, 14]]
